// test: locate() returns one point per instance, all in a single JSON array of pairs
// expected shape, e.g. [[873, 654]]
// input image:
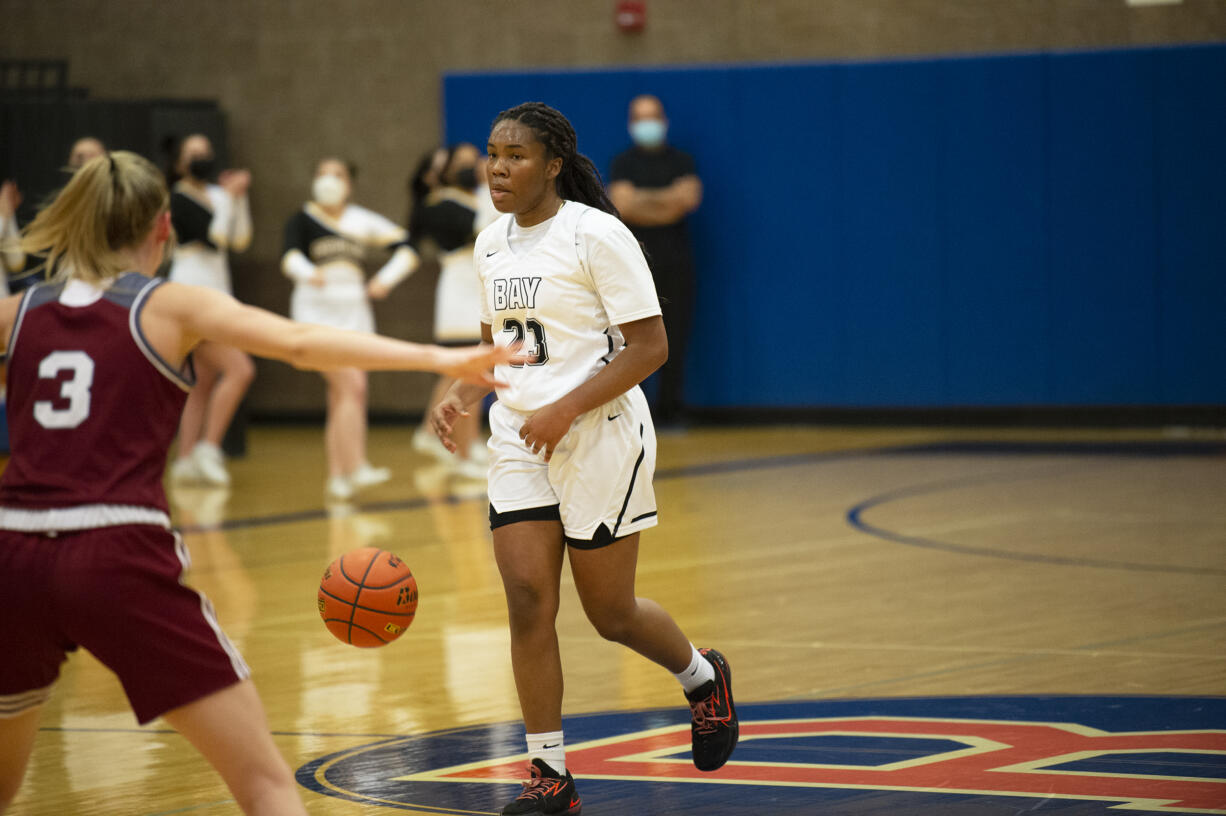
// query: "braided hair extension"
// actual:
[[579, 179]]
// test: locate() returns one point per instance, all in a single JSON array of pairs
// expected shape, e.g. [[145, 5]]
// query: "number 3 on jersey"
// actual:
[[537, 351], [75, 389]]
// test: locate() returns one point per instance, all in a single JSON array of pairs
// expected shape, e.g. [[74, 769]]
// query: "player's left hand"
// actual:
[[544, 430]]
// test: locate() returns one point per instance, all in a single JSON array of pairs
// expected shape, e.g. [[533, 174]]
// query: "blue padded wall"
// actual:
[[1036, 229]]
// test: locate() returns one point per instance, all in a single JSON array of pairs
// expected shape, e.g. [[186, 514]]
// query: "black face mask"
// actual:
[[466, 177], [202, 169]]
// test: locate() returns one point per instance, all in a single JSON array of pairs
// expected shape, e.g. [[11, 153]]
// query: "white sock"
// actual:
[[549, 747], [698, 672]]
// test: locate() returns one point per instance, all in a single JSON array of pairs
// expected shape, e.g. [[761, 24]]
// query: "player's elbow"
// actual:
[[662, 353], [656, 347]]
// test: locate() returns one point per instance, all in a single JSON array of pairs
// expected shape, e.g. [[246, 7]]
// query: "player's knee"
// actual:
[[610, 623], [530, 604], [243, 370], [267, 788], [355, 386]]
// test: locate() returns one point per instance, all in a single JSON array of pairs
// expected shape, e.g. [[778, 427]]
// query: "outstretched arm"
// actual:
[[178, 317]]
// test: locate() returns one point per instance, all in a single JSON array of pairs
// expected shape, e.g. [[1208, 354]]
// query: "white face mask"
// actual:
[[329, 190]]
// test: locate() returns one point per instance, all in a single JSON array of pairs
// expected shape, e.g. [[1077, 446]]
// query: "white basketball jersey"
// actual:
[[564, 298]]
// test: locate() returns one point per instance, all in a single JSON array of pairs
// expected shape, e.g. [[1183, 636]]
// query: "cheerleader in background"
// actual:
[[22, 271], [325, 245], [12, 258], [209, 220], [426, 178], [448, 224]]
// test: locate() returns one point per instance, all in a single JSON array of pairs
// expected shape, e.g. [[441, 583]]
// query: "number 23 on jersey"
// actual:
[[536, 349]]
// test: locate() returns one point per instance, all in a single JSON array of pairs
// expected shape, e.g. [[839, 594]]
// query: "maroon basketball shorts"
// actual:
[[117, 592]]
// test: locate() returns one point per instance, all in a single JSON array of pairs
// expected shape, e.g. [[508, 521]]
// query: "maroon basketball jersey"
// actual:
[[92, 408]]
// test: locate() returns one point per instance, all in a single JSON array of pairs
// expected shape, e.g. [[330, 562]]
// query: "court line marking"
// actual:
[[1089, 648], [190, 808], [855, 518], [388, 739], [418, 502], [957, 650], [970, 447]]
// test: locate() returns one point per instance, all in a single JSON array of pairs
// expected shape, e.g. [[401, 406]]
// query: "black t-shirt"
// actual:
[[668, 246]]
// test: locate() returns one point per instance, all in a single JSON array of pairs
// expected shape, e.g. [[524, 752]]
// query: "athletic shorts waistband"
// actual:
[[81, 517]]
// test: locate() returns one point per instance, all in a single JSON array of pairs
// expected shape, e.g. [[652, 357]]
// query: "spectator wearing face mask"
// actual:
[[655, 187], [325, 251], [210, 219]]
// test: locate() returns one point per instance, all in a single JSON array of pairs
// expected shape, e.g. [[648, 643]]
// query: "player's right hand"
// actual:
[[443, 419]]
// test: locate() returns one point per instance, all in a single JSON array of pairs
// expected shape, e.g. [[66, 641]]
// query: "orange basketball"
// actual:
[[368, 597]]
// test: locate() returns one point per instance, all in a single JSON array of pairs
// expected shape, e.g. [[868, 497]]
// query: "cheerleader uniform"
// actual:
[[335, 247], [451, 220], [206, 226]]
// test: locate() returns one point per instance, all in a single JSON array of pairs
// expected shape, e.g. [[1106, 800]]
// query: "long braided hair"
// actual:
[[579, 180]]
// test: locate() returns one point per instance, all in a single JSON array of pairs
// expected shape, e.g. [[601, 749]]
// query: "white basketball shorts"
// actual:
[[600, 476]]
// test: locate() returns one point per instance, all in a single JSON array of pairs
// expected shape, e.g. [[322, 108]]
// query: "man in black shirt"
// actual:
[[654, 186]]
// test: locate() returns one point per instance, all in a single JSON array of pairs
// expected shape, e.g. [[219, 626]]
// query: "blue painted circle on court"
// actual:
[[959, 756]]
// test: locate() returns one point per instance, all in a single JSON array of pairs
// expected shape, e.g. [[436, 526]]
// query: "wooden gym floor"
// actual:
[[827, 563]]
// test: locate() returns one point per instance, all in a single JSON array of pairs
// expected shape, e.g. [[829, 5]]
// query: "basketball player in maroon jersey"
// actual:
[[98, 368]]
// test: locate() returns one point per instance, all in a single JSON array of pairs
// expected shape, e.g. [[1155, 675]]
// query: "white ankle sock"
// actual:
[[698, 672], [549, 747]]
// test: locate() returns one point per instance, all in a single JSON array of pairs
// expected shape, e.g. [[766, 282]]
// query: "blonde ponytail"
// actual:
[[108, 207]]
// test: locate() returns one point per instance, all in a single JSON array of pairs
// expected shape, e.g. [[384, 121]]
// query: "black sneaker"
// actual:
[[545, 794], [715, 730]]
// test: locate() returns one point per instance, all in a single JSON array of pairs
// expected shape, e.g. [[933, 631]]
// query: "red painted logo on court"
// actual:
[[990, 757]]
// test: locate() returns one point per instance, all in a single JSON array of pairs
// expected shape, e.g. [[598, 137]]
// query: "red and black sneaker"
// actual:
[[545, 794], [714, 730]]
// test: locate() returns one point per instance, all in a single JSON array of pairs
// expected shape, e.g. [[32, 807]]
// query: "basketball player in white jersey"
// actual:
[[573, 449]]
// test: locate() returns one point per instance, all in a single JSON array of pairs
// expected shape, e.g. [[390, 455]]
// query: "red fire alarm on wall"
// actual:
[[631, 15]]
